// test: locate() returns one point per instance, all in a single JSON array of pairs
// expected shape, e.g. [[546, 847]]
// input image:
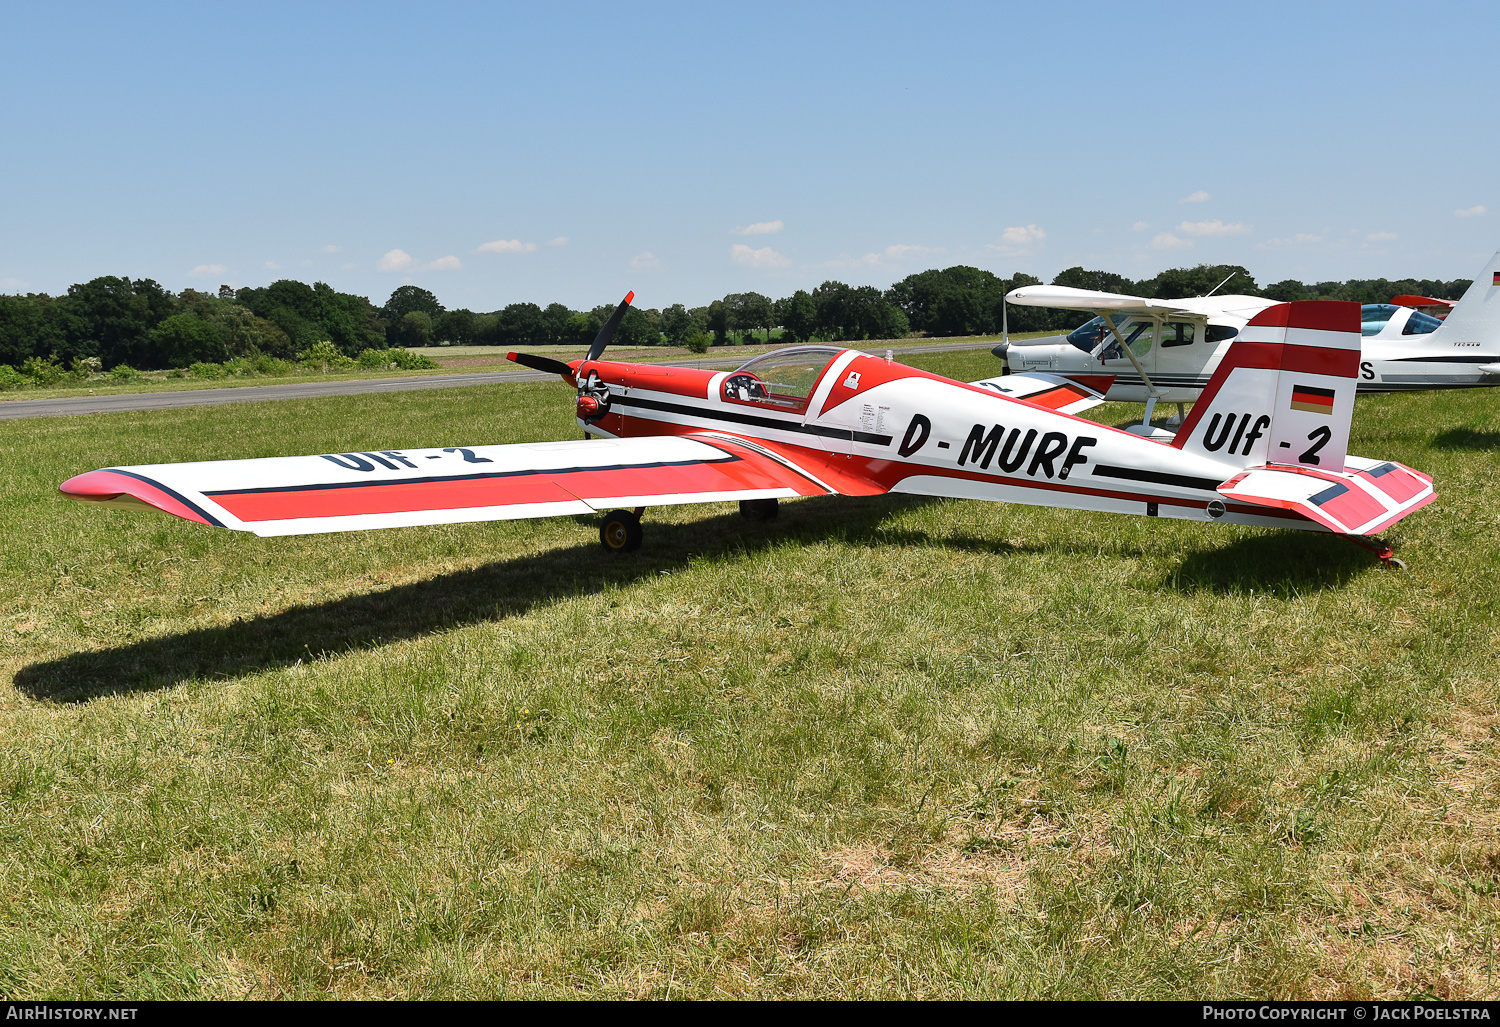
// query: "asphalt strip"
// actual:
[[72, 406]]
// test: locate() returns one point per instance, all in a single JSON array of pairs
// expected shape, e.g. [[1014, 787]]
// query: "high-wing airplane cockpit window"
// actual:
[[1420, 324], [1373, 317], [1088, 335], [1178, 333], [783, 378], [1220, 333]]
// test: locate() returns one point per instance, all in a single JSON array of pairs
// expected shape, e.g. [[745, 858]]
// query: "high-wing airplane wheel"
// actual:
[[759, 509], [621, 532]]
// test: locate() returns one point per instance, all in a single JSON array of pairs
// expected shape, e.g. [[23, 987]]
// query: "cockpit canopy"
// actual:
[[1373, 318], [782, 378]]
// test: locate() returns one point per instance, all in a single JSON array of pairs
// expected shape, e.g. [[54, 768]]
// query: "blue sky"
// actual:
[[497, 153]]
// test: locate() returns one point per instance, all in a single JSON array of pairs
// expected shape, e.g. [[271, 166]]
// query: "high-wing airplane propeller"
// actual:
[[1264, 445]]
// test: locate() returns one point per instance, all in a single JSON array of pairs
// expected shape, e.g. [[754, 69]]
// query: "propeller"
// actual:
[[550, 366], [540, 363], [608, 331]]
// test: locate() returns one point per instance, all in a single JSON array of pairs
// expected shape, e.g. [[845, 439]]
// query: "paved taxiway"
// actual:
[[73, 405]]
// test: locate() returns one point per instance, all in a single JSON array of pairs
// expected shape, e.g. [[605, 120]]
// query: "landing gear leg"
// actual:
[[621, 531], [760, 509], [1382, 550]]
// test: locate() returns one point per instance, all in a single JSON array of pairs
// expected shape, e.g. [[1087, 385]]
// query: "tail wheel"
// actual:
[[620, 532], [759, 509]]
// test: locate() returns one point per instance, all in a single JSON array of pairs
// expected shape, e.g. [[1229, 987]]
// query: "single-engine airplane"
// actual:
[[1167, 350], [1265, 446]]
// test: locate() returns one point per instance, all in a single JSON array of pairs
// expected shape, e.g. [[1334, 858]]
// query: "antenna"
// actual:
[[1220, 285]]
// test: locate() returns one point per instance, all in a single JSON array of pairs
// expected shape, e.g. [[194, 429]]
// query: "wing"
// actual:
[[1053, 391], [304, 495], [1364, 498], [1064, 298]]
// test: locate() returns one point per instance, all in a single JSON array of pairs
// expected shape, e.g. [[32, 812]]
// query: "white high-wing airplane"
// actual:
[[1148, 351]]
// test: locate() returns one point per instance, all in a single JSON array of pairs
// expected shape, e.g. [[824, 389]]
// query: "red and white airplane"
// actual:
[[1265, 446]]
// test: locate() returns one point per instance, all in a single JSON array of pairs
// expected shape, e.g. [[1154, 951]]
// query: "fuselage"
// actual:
[[861, 425], [1401, 349]]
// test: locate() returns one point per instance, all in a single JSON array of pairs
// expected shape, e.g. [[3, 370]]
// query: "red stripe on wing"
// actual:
[[741, 473]]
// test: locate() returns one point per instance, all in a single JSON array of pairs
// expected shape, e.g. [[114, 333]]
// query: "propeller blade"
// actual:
[[541, 363], [608, 331]]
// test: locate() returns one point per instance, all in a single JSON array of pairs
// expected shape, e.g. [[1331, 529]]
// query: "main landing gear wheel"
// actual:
[[621, 532], [760, 509]]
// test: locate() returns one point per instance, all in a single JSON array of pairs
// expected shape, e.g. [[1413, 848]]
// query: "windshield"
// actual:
[[1087, 335], [1420, 324], [789, 374]]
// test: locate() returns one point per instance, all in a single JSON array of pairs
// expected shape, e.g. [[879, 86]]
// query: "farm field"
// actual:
[[885, 747]]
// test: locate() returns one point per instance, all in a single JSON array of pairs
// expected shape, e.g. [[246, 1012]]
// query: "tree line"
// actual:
[[138, 323]]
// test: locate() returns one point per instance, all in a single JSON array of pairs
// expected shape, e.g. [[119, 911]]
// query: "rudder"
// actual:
[[1284, 392]]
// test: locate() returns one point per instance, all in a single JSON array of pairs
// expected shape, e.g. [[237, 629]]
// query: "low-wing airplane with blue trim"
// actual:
[[1264, 446], [1141, 350]]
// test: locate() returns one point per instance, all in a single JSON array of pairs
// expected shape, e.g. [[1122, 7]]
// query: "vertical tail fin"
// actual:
[[1476, 318], [1284, 392]]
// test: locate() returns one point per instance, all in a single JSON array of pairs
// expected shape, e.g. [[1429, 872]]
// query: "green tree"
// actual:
[[1183, 282], [523, 324], [798, 315], [409, 298], [184, 339], [416, 329], [115, 317], [676, 324], [717, 322]]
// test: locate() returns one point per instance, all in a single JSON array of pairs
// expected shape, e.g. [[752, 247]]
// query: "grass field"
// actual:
[[878, 747]]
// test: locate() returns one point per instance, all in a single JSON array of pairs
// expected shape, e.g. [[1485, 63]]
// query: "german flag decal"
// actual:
[[1314, 401], [1497, 279]]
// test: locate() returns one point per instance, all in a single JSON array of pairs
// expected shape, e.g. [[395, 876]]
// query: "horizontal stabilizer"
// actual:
[[1066, 395], [1364, 498]]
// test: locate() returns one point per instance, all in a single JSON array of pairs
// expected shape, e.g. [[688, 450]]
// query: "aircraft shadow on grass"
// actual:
[[1466, 438], [508, 588]]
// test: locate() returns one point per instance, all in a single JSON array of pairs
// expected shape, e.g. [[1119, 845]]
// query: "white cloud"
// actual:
[[763, 257], [1198, 197], [561, 240], [887, 257], [1300, 239], [1140, 226], [1380, 237], [1024, 235], [448, 263], [646, 261], [1471, 212], [207, 270], [1168, 241], [271, 265], [507, 246], [330, 248], [1202, 228], [761, 228], [1019, 240], [394, 260], [13, 285]]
